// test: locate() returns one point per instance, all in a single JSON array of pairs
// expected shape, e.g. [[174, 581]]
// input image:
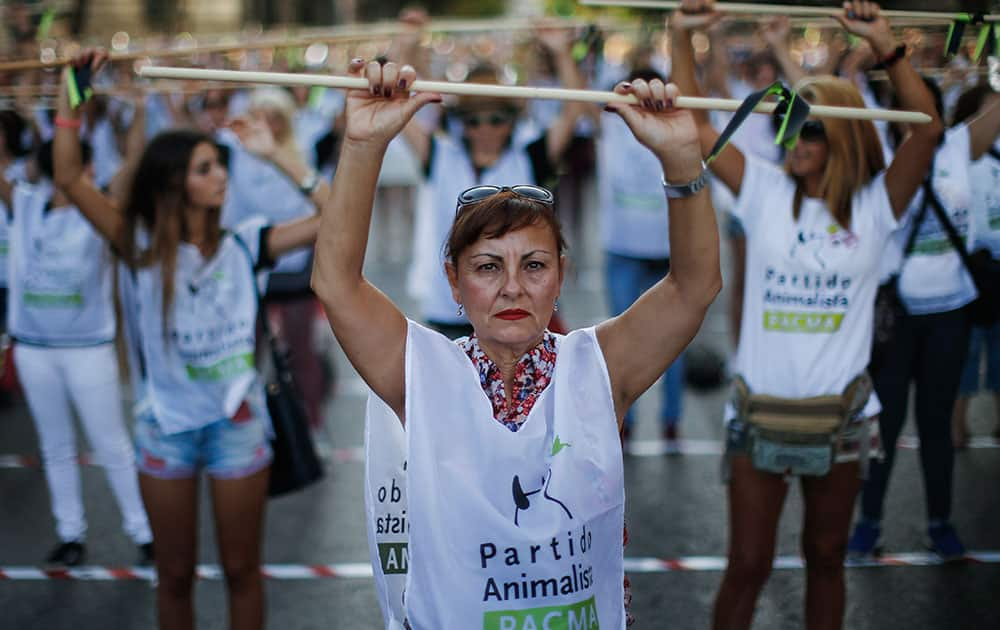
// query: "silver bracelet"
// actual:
[[683, 191]]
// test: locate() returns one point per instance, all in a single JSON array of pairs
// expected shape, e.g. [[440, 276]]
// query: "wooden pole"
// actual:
[[779, 9], [515, 92]]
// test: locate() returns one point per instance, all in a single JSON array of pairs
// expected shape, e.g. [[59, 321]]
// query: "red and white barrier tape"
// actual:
[[636, 448], [363, 570]]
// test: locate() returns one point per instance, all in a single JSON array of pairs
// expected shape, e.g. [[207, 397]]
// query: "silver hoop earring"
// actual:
[[555, 307], [461, 310]]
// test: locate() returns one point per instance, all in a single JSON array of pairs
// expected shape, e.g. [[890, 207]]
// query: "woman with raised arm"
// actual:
[[816, 231], [514, 469], [190, 304]]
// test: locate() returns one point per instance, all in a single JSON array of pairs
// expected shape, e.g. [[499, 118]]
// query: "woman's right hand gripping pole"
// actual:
[[369, 327]]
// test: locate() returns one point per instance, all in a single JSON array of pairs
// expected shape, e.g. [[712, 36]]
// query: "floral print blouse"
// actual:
[[532, 375]]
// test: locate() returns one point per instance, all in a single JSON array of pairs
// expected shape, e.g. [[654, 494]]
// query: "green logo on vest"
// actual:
[[579, 616], [558, 445], [53, 300], [394, 558], [223, 370], [787, 321]]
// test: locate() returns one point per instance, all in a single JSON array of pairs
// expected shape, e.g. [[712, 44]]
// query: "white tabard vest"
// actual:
[[59, 274], [205, 368], [386, 507], [451, 173], [512, 530]]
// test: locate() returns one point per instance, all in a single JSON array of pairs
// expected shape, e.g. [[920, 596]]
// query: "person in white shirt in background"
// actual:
[[815, 233], [484, 143], [635, 234], [984, 342], [190, 305], [12, 169], [62, 320], [258, 188], [931, 340]]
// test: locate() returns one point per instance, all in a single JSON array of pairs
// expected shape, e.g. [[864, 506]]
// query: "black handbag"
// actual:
[[296, 464], [889, 308], [982, 267]]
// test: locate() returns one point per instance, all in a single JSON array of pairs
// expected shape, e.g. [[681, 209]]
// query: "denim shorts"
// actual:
[[983, 340], [230, 448]]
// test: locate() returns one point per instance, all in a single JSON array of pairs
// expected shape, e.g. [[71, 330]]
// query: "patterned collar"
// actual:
[[531, 376]]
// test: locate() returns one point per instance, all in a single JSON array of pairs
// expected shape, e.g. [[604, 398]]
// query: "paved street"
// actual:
[[676, 511]]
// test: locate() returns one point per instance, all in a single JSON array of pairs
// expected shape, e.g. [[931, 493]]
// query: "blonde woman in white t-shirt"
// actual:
[[815, 232]]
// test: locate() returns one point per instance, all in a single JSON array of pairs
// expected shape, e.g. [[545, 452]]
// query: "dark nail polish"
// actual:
[[670, 103], [402, 84], [648, 103], [386, 92], [627, 85], [609, 109]]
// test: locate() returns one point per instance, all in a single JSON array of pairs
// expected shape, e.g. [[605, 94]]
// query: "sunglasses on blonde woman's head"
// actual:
[[476, 194], [474, 121]]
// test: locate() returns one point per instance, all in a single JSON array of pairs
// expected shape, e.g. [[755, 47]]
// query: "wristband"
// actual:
[[890, 60], [67, 123], [682, 191]]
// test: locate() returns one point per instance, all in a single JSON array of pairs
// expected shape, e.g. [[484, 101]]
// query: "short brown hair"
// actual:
[[494, 217]]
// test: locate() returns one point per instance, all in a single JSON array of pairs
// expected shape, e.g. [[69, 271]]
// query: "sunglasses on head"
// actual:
[[474, 195], [495, 119], [812, 131]]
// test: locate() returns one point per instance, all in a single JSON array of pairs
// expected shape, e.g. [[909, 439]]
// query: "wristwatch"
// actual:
[[693, 187], [309, 183]]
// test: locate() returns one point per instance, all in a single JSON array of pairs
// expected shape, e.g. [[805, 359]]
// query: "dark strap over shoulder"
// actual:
[[953, 235]]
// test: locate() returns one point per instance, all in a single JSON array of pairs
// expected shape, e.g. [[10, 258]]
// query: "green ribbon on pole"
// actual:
[[78, 86], [986, 43], [955, 31], [45, 25], [792, 110]]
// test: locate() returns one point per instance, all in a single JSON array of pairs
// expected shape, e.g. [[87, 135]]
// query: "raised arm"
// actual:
[[640, 343], [67, 163], [369, 327], [775, 33], [695, 14], [256, 137], [913, 157], [559, 42], [135, 144]]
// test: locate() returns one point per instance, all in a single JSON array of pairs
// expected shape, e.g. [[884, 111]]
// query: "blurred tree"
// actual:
[[385, 9]]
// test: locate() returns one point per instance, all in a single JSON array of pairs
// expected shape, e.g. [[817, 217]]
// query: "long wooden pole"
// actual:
[[515, 92], [356, 33], [779, 9]]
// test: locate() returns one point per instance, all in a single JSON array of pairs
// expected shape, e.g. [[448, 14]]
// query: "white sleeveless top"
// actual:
[[451, 173], [506, 528], [60, 291], [204, 369]]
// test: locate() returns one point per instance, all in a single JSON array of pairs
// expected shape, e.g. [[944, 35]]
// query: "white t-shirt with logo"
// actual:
[[512, 529], [200, 368], [933, 278], [986, 198], [60, 275], [634, 220], [808, 305]]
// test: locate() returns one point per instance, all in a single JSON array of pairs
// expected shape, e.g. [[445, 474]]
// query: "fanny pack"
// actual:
[[798, 436]]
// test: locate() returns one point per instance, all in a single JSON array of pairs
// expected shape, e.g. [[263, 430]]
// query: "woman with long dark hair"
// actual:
[[190, 305]]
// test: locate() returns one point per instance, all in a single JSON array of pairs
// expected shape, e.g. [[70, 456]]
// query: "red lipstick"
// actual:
[[513, 314]]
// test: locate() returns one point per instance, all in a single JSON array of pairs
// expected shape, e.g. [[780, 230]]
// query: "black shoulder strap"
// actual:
[[265, 325], [995, 153], [949, 228]]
